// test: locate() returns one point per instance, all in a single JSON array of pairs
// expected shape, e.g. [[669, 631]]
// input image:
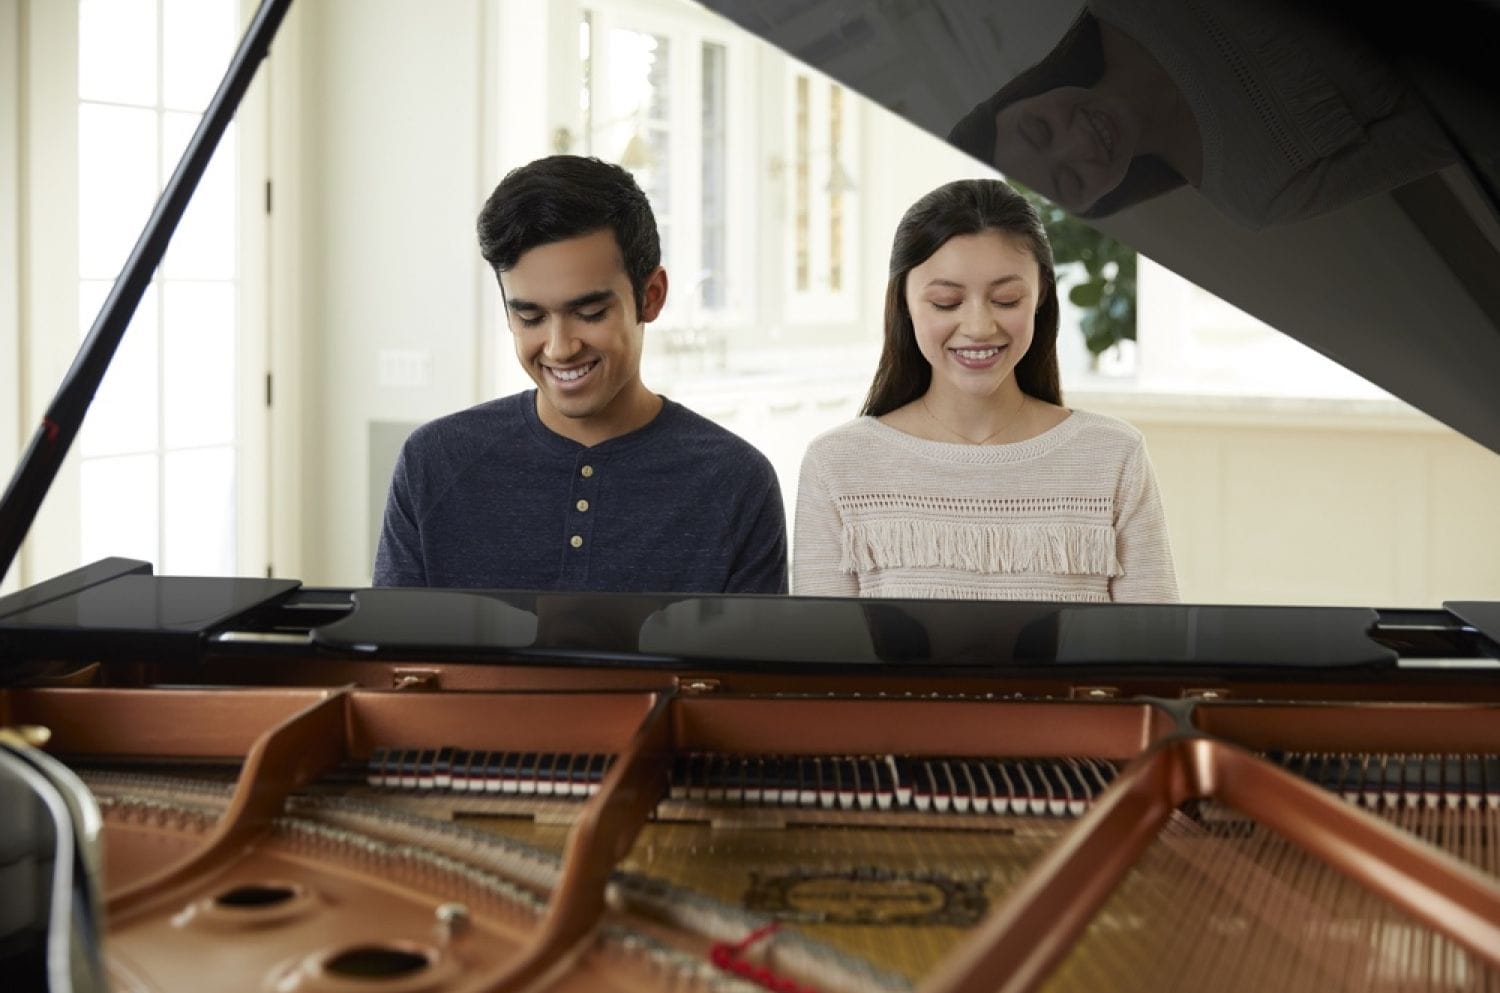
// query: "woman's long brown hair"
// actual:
[[967, 206]]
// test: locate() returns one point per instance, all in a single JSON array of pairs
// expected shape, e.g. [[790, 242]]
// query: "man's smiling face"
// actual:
[[577, 331]]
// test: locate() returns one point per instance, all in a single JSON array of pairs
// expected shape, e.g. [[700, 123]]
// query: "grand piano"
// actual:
[[252, 784]]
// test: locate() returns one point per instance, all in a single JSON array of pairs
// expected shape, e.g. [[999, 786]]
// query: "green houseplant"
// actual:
[[1105, 292]]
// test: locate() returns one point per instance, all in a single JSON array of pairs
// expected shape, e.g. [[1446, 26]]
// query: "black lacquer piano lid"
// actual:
[[1483, 616], [755, 632], [71, 583], [1349, 193], [133, 615]]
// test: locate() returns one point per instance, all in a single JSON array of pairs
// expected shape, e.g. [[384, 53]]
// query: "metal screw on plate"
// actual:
[[452, 920]]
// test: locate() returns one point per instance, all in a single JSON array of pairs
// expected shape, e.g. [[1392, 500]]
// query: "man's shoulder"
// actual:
[[483, 424], [690, 431]]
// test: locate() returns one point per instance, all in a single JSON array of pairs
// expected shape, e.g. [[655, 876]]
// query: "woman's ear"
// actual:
[[654, 297]]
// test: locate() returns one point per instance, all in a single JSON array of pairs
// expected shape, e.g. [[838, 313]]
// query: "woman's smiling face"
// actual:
[[973, 308]]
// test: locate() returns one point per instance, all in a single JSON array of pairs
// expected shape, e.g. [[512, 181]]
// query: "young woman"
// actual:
[[966, 477]]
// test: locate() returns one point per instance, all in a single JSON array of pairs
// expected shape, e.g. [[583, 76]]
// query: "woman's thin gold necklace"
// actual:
[[1009, 422]]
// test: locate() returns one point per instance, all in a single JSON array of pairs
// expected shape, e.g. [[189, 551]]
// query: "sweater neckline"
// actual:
[[567, 446], [947, 451]]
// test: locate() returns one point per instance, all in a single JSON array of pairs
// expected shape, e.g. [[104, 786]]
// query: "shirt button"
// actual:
[[576, 541], [582, 505], [586, 471]]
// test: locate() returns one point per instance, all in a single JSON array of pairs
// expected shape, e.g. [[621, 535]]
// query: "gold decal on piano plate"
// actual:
[[868, 896]]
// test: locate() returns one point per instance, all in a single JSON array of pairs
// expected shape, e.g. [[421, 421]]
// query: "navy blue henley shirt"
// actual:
[[489, 497]]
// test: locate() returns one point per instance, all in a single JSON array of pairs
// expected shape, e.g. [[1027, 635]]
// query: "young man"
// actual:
[[590, 481]]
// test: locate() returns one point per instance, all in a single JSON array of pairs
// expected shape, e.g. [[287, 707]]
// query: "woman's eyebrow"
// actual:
[[997, 281]]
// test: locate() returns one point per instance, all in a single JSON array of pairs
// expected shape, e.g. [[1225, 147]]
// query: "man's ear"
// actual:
[[654, 295]]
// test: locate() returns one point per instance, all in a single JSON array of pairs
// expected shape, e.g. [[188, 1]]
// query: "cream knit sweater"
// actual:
[[1072, 514]]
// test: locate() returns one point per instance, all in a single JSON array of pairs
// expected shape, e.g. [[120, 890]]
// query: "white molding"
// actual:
[[49, 258], [1235, 410], [490, 105], [287, 345], [11, 440], [252, 360]]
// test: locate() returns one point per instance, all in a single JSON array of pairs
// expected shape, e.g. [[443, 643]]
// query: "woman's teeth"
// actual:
[[977, 354], [1101, 128]]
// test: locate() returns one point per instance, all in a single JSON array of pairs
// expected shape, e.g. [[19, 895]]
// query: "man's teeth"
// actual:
[[568, 375], [977, 354]]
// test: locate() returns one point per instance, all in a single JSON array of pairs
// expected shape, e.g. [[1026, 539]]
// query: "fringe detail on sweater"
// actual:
[[922, 591], [1056, 549]]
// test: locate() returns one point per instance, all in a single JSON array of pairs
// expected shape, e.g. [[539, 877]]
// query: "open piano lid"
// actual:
[[1350, 157]]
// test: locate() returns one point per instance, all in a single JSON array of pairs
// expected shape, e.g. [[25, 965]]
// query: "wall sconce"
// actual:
[[636, 155], [839, 180]]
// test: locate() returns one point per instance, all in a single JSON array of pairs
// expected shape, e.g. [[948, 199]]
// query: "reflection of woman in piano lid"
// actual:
[[966, 477], [1271, 115]]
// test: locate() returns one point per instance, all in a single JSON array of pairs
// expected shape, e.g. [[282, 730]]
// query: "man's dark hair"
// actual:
[[566, 196]]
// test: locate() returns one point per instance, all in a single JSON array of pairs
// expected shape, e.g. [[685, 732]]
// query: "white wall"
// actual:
[[1312, 501], [393, 143]]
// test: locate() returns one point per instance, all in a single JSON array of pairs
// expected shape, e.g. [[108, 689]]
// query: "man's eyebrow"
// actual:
[[588, 299], [597, 296]]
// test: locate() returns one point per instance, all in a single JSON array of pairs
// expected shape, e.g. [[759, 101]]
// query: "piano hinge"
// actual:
[[268, 571], [1094, 692], [268, 196], [268, 389], [1205, 693], [697, 686]]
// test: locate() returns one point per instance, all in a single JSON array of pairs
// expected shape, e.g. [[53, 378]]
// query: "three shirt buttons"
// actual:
[[577, 540]]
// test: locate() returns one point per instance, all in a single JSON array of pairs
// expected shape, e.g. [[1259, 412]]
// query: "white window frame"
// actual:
[[687, 29], [49, 290], [818, 303]]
